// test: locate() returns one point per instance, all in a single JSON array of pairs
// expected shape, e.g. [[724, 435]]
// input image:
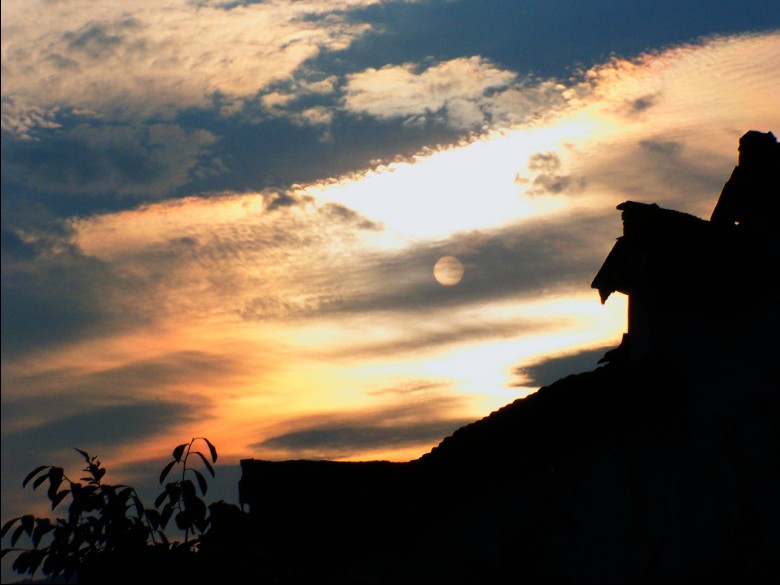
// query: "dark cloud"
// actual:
[[256, 152], [60, 295], [279, 199], [546, 372], [76, 389], [346, 215], [62, 63], [642, 103], [15, 247], [94, 40], [104, 161], [355, 437], [665, 148], [658, 171], [104, 427], [548, 180], [409, 388], [273, 306], [530, 258], [449, 333], [544, 161], [420, 419], [555, 184], [62, 393]]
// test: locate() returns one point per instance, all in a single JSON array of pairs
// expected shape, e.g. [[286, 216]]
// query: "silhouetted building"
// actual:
[[751, 197], [697, 286]]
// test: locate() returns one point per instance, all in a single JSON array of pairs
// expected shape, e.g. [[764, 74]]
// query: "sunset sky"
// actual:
[[222, 218]]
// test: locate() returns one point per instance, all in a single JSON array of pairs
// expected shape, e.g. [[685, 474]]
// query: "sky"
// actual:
[[335, 229]]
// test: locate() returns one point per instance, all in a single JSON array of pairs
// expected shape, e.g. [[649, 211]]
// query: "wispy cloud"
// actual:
[[59, 295], [442, 333], [424, 420], [106, 426], [337, 441]]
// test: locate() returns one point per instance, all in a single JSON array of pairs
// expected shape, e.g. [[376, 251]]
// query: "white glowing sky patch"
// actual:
[[470, 187]]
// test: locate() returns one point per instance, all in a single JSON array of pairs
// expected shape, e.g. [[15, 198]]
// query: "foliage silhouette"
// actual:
[[110, 521]]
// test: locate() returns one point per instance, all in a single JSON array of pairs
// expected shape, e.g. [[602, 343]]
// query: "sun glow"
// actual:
[[475, 186]]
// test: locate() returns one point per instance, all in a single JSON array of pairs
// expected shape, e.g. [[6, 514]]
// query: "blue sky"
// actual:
[[222, 218]]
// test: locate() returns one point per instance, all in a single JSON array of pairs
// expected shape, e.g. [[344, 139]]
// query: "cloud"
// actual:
[[104, 427], [23, 121], [143, 61], [544, 373], [338, 440], [555, 184], [453, 90], [548, 180], [668, 170], [544, 161], [344, 214], [441, 334], [191, 257], [88, 159], [298, 98], [422, 421], [641, 104], [528, 100], [407, 388], [281, 256], [60, 296], [116, 384], [519, 261], [662, 148]]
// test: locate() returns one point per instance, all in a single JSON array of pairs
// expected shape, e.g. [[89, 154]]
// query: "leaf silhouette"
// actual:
[[206, 463], [33, 473], [166, 470], [7, 525], [55, 501], [179, 451], [202, 483], [212, 449]]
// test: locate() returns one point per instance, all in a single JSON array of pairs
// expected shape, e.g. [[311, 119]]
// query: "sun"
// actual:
[[448, 271]]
